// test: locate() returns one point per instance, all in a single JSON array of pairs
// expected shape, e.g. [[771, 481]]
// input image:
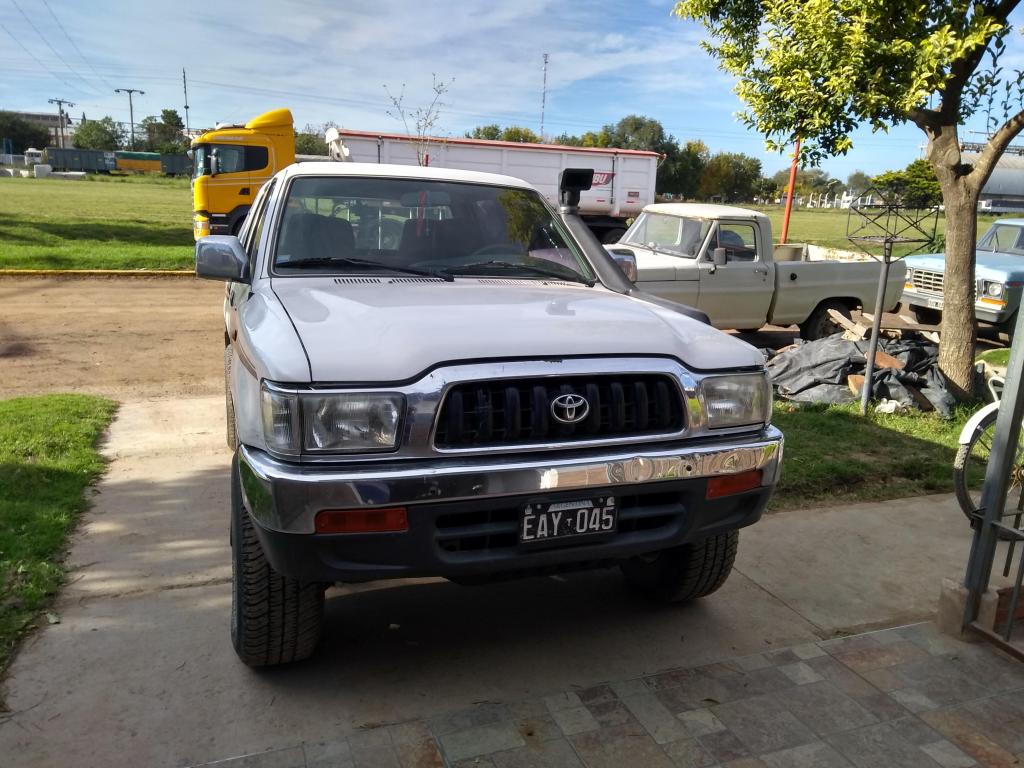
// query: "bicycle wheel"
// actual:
[[969, 472]]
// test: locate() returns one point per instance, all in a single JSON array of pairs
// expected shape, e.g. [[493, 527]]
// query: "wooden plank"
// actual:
[[885, 360], [922, 402]]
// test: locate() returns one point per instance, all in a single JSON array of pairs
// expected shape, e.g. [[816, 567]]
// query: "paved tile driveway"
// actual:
[[901, 697]]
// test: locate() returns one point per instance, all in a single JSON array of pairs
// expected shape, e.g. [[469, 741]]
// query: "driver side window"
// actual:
[[738, 240]]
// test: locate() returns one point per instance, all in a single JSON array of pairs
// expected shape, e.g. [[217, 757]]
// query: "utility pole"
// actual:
[[184, 83], [131, 110], [60, 118], [543, 97]]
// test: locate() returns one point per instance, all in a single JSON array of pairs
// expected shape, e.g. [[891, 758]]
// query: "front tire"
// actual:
[[274, 619], [684, 573]]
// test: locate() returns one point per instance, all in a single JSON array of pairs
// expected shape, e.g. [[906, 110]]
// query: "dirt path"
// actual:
[[123, 337]]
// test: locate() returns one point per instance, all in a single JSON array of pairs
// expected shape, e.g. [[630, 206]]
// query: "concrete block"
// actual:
[[953, 603], [42, 170]]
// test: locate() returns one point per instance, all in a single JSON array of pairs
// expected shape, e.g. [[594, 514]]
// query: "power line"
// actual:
[[37, 61], [75, 45], [47, 43]]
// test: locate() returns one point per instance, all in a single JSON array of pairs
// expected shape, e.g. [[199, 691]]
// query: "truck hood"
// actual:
[[990, 265], [653, 266], [395, 331]]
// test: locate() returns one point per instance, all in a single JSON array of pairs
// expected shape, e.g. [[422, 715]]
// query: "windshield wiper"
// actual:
[[345, 261], [541, 271]]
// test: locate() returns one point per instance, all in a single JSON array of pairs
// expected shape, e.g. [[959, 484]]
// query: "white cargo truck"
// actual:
[[623, 178]]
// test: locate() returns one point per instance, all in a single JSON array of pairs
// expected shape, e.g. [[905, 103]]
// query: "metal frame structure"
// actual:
[[885, 224], [1003, 471]]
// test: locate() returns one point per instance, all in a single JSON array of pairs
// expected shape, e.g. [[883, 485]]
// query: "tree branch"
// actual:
[[996, 146], [924, 118], [962, 69]]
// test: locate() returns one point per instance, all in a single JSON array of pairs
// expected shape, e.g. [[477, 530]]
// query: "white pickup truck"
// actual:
[[721, 260], [485, 396]]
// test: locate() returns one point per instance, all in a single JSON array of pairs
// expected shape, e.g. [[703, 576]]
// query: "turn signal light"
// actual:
[[386, 520], [727, 485]]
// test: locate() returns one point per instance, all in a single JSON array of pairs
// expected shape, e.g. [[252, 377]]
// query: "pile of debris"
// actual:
[[831, 370]]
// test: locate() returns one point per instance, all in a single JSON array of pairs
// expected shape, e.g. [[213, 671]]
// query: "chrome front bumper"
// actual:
[[286, 497]]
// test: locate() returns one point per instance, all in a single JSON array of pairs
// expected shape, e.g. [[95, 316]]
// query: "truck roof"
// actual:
[[704, 211], [494, 143], [328, 168]]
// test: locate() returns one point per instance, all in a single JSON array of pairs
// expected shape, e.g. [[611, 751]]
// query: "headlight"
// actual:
[[993, 289], [737, 400], [351, 422], [355, 422]]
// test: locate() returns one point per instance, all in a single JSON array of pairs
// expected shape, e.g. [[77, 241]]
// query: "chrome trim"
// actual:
[[424, 397], [286, 497]]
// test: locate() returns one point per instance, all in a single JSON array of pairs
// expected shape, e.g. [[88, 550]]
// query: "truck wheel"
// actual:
[[612, 236], [925, 316], [274, 619], [229, 405], [820, 324], [684, 573]]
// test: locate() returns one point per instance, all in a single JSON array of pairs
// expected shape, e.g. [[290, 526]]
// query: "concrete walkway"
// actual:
[[140, 669]]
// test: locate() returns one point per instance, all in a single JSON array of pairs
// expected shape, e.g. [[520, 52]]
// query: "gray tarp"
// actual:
[[817, 371]]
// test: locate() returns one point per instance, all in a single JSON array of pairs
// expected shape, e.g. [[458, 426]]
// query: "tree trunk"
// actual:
[[960, 189], [956, 351]]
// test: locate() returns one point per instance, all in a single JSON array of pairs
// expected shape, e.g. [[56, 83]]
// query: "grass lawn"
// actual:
[[47, 458], [827, 226], [835, 455], [130, 222]]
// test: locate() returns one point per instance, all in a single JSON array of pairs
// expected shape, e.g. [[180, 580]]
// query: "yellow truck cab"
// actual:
[[231, 163]]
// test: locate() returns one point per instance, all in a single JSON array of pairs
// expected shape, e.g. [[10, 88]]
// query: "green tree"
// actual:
[[164, 134], [915, 186], [307, 143], [490, 132], [99, 134], [819, 69], [520, 134], [730, 177], [685, 167], [567, 140], [22, 133], [858, 181], [495, 132]]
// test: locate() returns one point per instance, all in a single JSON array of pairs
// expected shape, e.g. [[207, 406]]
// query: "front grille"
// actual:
[[930, 282], [519, 412], [497, 529]]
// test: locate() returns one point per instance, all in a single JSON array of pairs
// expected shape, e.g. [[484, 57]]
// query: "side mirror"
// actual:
[[572, 181], [214, 165], [221, 257], [626, 260], [719, 257]]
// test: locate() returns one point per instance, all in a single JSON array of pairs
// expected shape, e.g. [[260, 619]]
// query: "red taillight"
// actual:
[[727, 485], [362, 520]]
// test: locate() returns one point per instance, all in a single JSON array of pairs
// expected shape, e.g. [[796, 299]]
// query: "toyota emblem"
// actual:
[[570, 408]]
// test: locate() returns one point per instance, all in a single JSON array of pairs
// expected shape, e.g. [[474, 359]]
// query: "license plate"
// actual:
[[565, 519], [934, 303]]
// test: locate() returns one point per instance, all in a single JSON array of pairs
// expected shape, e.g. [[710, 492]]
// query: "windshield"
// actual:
[[677, 235], [1006, 238], [346, 224]]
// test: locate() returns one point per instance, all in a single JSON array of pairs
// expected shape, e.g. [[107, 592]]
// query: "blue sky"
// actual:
[[330, 61]]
